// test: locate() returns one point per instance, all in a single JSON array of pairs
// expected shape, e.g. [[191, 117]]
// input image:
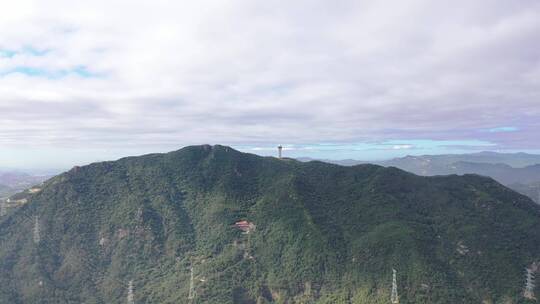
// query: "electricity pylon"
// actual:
[[131, 295], [529, 284], [394, 298], [37, 237], [191, 294]]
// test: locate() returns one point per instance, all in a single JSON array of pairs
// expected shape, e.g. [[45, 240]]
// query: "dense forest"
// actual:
[[209, 224]]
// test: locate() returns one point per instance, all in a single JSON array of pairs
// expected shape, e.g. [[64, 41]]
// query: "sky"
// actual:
[[84, 81]]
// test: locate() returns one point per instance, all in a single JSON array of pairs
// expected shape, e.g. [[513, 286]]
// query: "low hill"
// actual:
[[521, 179], [432, 163], [519, 171], [208, 224]]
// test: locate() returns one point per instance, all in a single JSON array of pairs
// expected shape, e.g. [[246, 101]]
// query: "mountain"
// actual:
[[218, 226], [498, 166], [512, 177], [433, 163], [500, 172], [531, 190], [341, 162], [503, 173], [438, 164]]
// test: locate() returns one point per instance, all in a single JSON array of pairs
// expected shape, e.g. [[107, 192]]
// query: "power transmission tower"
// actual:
[[529, 284], [191, 294], [37, 237], [131, 295], [394, 298]]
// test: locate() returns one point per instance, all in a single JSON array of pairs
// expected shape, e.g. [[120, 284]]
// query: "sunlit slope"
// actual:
[[317, 233]]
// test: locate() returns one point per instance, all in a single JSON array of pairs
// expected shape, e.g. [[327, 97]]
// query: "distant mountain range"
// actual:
[[209, 224], [516, 160], [12, 182], [519, 171]]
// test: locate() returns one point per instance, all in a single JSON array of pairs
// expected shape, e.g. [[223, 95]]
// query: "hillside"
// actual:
[[501, 172], [521, 179], [531, 190], [435, 162], [431, 164], [518, 171], [152, 226]]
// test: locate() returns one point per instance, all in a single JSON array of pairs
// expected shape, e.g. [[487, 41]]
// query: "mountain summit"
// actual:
[[209, 224]]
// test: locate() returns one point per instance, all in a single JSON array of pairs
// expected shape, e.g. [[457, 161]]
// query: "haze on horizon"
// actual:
[[99, 80]]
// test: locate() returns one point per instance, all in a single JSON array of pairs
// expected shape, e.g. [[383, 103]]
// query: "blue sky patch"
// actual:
[[81, 71], [374, 150], [27, 50], [7, 53], [503, 129], [34, 51]]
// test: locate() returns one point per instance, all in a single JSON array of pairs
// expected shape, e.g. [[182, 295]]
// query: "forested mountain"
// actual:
[[439, 164], [522, 179], [208, 224], [501, 172], [433, 163], [532, 190], [519, 171]]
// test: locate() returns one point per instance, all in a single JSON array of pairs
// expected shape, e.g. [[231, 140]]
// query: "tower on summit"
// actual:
[[280, 149]]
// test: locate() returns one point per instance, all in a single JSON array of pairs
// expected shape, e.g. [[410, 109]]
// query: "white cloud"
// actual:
[[173, 73], [402, 147]]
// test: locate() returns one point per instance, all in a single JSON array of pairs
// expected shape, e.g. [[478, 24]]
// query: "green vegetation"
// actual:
[[324, 234]]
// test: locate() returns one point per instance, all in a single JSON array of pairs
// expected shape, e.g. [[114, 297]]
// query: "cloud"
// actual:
[[401, 147], [165, 74]]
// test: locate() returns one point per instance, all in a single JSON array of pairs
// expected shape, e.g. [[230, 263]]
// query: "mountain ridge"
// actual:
[[524, 178], [321, 234]]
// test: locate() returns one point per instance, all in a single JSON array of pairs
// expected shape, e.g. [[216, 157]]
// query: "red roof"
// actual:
[[243, 225]]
